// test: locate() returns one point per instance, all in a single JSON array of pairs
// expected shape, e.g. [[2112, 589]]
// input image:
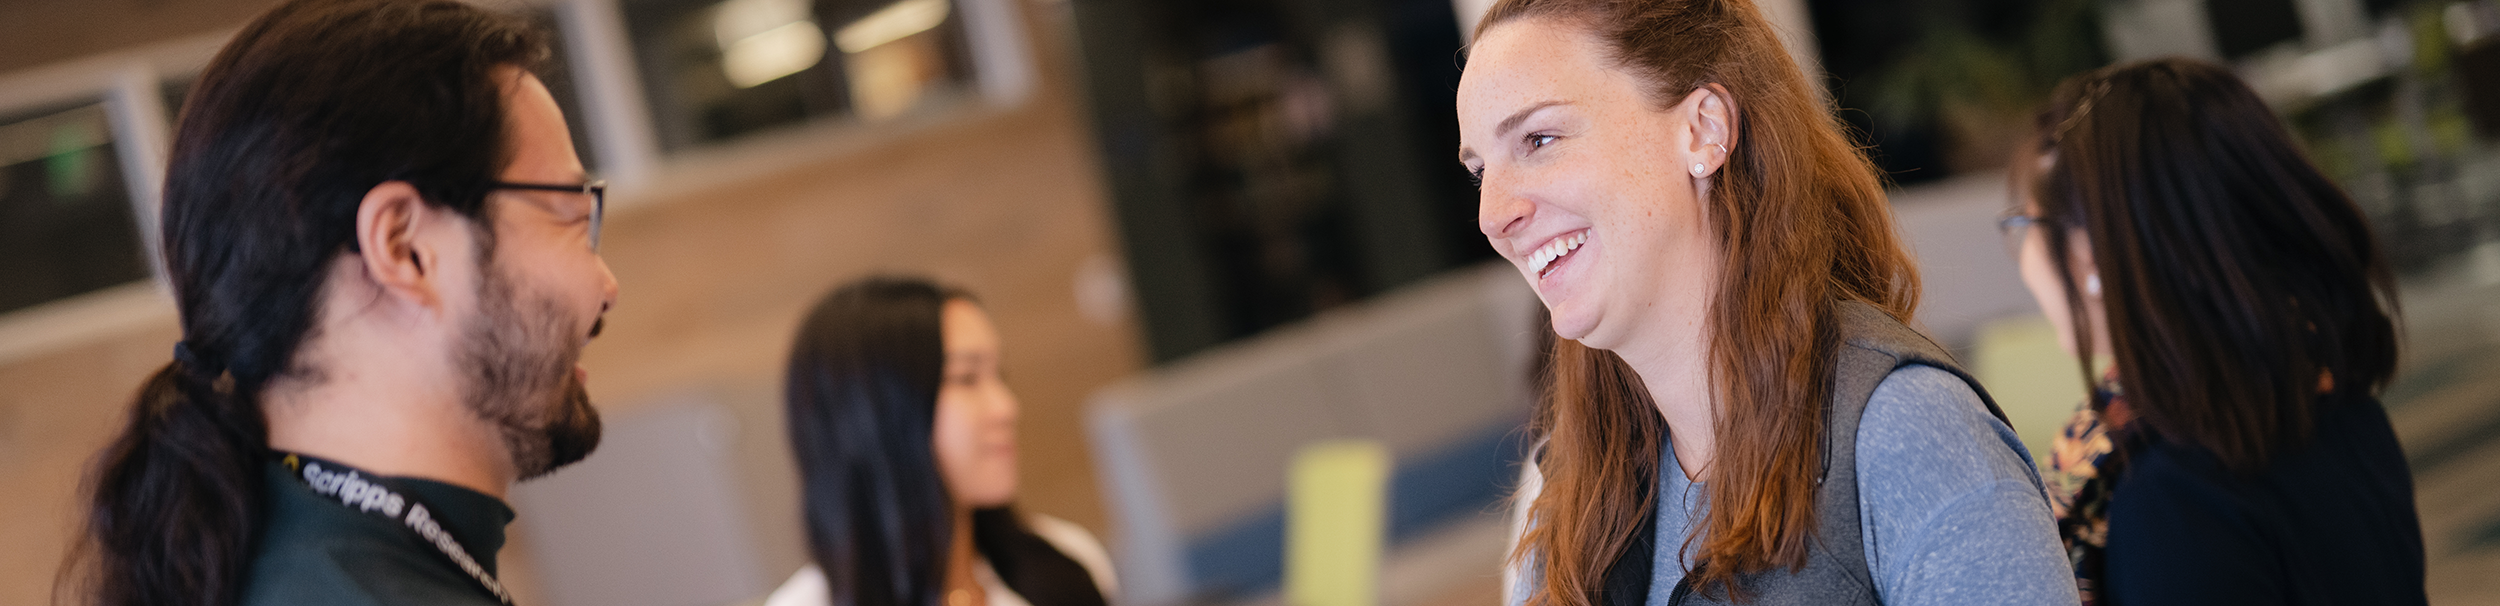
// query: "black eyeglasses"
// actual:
[[597, 189], [2015, 228]]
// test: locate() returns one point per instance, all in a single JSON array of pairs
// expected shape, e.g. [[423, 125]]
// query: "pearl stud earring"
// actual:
[[1698, 168]]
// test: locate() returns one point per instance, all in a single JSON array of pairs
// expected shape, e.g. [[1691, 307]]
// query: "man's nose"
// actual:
[[608, 287]]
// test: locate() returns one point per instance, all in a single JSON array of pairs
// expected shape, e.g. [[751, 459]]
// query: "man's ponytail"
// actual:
[[176, 498]]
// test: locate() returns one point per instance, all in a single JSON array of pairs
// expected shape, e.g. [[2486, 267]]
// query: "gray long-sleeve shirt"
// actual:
[[1951, 506]]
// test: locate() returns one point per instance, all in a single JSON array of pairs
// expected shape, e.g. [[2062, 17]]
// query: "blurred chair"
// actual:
[[655, 519], [1193, 456]]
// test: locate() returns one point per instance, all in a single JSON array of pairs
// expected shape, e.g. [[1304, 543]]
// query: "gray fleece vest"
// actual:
[[1872, 345]]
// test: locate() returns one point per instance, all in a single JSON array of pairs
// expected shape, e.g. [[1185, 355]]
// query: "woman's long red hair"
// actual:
[[1802, 221]]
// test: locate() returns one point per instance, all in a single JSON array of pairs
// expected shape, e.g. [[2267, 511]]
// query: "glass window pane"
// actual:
[[715, 70], [174, 92], [65, 222]]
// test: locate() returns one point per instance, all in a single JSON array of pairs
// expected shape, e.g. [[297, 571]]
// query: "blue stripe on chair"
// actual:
[[1460, 481], [1465, 478], [1241, 559]]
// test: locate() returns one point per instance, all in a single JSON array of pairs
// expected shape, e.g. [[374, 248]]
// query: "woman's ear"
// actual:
[[1713, 128]]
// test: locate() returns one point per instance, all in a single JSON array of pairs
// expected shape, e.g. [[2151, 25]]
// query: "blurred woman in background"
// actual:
[[2235, 451], [906, 445], [1735, 411]]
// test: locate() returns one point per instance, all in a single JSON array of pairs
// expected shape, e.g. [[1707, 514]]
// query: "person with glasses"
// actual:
[[384, 253], [2232, 313]]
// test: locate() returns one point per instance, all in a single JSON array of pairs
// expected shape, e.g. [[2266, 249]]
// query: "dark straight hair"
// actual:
[[862, 397], [2240, 284], [308, 108]]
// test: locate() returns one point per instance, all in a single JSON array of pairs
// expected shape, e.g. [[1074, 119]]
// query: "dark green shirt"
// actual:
[[314, 550]]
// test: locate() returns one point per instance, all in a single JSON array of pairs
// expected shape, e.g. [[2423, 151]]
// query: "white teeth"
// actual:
[[1545, 255]]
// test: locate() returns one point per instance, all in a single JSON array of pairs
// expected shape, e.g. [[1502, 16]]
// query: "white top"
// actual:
[[808, 588]]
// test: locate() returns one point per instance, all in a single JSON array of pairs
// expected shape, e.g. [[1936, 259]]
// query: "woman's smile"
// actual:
[[1544, 258]]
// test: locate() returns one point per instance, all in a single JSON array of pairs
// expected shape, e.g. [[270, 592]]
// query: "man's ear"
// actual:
[[388, 223]]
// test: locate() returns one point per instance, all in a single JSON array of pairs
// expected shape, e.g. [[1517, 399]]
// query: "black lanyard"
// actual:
[[373, 495]]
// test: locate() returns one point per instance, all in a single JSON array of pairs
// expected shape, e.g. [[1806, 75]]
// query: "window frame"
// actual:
[[129, 83], [622, 132], [601, 58]]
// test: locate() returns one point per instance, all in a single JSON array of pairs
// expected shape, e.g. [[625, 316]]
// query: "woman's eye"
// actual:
[[1476, 176], [1538, 141]]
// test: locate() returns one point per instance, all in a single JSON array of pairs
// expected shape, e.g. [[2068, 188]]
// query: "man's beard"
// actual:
[[519, 354]]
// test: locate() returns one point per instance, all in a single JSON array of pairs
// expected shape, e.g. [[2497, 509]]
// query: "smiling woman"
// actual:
[[904, 431], [1723, 272]]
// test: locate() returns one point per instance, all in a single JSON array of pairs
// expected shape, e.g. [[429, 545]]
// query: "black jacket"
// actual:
[[2328, 522], [313, 550]]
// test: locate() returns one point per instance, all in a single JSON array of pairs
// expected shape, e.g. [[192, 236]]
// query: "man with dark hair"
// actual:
[[383, 248]]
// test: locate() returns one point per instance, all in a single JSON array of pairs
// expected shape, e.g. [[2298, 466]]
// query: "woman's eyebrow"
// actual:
[[1503, 128], [1512, 123]]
